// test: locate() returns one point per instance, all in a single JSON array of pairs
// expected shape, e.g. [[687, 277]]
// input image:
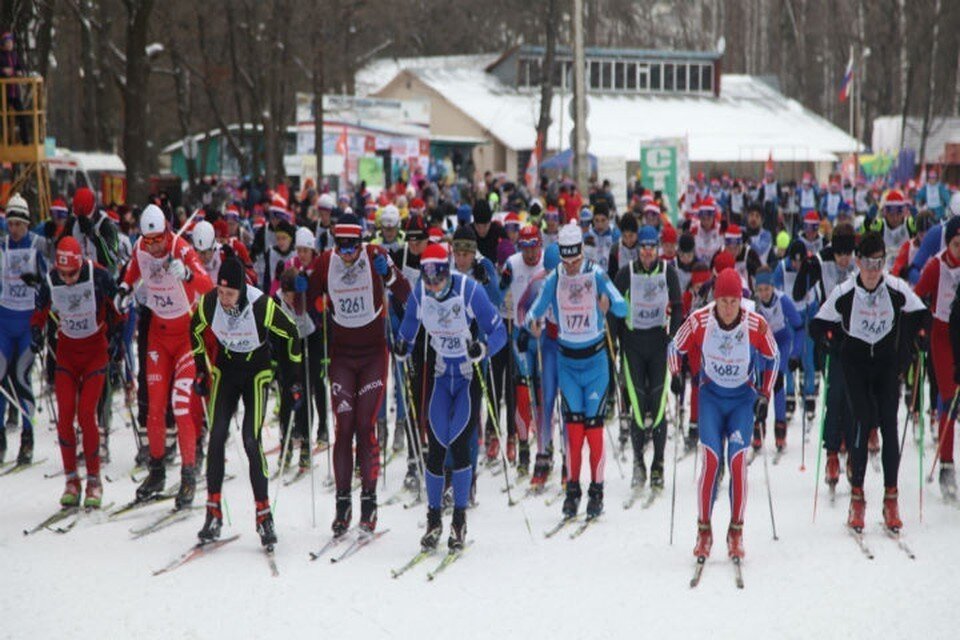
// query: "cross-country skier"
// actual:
[[349, 282], [21, 264], [580, 294], [652, 291], [252, 333], [875, 318], [938, 284], [454, 311], [80, 296], [726, 345], [172, 278]]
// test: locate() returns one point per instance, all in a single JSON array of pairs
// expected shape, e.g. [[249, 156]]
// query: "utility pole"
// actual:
[[580, 162]]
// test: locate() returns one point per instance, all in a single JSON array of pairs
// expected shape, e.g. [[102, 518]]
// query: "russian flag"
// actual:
[[847, 81]]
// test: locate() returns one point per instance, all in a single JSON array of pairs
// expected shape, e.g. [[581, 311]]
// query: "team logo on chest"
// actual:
[[579, 290], [75, 300], [729, 342], [447, 315], [156, 270], [652, 289], [351, 274]]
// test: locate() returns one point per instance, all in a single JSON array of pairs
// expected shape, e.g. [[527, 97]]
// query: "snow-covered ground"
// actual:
[[620, 579]]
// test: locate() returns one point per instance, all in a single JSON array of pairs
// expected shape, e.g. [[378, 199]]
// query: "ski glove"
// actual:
[[381, 265], [676, 385], [180, 271], [506, 278], [30, 279], [476, 351], [760, 409], [300, 284], [523, 341], [400, 350], [122, 300], [296, 396], [36, 339], [201, 384], [480, 274]]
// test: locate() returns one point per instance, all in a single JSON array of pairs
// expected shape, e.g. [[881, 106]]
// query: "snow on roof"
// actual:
[[375, 75], [749, 121]]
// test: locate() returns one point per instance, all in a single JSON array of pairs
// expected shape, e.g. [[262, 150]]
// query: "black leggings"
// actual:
[[230, 385], [873, 394], [837, 409], [645, 374]]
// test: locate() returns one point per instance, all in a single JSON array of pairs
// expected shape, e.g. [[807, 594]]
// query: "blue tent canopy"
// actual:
[[563, 161]]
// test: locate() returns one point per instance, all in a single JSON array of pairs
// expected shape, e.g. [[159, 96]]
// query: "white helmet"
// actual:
[[152, 221], [304, 239], [203, 236], [326, 201], [390, 216]]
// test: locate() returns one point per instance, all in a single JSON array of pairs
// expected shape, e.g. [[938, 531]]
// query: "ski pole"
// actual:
[[503, 455], [823, 422], [616, 384], [922, 430], [15, 401], [676, 458], [328, 391], [308, 398], [950, 414], [766, 479], [797, 385]]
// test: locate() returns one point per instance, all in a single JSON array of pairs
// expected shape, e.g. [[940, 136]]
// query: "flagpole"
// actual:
[[850, 98]]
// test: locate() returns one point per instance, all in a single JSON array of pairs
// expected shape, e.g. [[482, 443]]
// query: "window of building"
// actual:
[[655, 77], [606, 69], [706, 77], [681, 77], [668, 76], [594, 75], [694, 77], [631, 74], [619, 81]]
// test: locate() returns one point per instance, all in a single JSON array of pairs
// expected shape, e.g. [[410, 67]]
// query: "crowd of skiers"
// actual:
[[550, 312]]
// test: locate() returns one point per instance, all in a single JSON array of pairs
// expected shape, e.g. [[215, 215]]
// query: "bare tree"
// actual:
[[135, 112]]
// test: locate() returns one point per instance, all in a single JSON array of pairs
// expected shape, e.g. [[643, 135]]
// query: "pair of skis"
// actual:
[[9, 470], [701, 563], [63, 520], [894, 535], [358, 539], [649, 497], [582, 526], [448, 559]]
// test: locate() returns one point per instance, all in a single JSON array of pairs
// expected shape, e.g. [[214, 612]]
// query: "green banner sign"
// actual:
[[664, 167]]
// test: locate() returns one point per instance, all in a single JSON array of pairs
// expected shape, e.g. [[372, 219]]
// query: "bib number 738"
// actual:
[[450, 343]]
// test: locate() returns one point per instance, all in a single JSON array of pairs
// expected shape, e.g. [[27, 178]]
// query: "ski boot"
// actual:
[[858, 507], [948, 482], [341, 521], [94, 495], [512, 449], [639, 474], [368, 511], [791, 407], [735, 539], [188, 486], [154, 482], [780, 435], [541, 470], [214, 520], [704, 539], [305, 457], [523, 462], [493, 449], [873, 442], [71, 492], [891, 514], [810, 407], [323, 439], [411, 482], [382, 432], [833, 469], [692, 439], [757, 440], [400, 435], [458, 530], [431, 538], [656, 475], [572, 502], [595, 500], [268, 535], [25, 455]]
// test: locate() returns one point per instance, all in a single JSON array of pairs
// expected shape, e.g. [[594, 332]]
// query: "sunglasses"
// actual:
[[871, 264], [435, 272], [348, 246], [152, 241]]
